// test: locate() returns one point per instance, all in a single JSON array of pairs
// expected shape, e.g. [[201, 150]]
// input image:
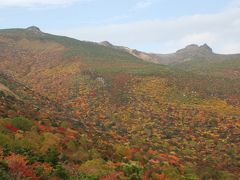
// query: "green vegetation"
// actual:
[[22, 123]]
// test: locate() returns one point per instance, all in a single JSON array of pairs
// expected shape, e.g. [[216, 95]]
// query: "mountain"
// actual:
[[85, 110], [190, 53]]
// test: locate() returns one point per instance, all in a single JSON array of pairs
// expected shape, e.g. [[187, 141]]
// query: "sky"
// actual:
[[160, 26]]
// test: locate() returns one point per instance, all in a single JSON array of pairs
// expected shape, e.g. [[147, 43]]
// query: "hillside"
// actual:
[[100, 112]]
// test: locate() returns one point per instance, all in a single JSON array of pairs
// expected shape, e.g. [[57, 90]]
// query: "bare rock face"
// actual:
[[195, 50], [206, 48], [34, 29]]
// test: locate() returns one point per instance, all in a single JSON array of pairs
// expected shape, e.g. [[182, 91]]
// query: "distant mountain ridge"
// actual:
[[32, 40], [189, 53]]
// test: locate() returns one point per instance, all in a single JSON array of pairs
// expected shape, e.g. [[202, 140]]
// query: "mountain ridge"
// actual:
[[182, 55], [191, 52]]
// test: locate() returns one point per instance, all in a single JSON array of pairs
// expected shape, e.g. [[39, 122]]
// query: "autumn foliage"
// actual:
[[19, 167], [78, 110]]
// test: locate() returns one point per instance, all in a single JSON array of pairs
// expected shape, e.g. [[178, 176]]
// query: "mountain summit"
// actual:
[[34, 29], [194, 49]]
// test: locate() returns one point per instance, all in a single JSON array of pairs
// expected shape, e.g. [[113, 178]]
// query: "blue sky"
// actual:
[[150, 25]]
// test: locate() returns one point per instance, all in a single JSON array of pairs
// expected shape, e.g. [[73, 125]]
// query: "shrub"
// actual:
[[22, 123], [4, 173], [82, 176], [18, 166], [96, 167], [61, 172], [133, 170], [52, 156]]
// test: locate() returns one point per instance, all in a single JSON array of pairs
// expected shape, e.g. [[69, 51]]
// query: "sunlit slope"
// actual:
[[38, 45]]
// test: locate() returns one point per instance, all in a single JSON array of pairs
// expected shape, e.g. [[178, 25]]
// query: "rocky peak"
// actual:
[[195, 49], [34, 29], [206, 48]]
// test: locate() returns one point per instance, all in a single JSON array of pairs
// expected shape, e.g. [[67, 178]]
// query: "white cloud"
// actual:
[[221, 31], [33, 3]]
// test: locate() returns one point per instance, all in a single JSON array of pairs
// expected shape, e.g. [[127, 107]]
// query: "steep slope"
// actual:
[[18, 99], [148, 57], [132, 119]]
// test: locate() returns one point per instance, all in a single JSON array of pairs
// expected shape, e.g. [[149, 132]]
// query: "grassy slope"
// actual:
[[96, 56], [214, 66]]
